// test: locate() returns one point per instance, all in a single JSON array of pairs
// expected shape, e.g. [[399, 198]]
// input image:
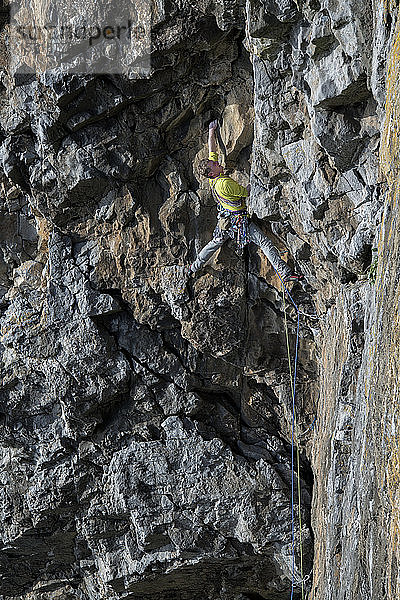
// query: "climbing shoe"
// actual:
[[294, 277]]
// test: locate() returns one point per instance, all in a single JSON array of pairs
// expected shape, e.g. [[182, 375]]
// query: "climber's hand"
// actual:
[[248, 188], [213, 125]]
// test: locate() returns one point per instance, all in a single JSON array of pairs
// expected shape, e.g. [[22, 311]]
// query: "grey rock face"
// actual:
[[146, 419], [146, 472]]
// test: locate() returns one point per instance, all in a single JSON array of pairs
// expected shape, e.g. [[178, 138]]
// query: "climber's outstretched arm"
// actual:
[[212, 142]]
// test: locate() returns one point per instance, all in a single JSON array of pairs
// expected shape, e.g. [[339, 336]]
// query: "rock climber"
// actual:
[[233, 219]]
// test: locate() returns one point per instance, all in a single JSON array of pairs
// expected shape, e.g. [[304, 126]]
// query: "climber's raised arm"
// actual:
[[212, 142]]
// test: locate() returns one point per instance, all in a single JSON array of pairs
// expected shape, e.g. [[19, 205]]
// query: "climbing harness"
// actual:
[[233, 225], [233, 218]]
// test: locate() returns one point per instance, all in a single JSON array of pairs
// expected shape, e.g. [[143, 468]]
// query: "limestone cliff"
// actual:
[[146, 424]]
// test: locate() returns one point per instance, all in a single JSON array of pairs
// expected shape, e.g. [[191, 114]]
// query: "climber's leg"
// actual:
[[259, 238], [206, 253]]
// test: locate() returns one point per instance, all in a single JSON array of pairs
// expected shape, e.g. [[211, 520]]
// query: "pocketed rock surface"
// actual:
[[146, 421]]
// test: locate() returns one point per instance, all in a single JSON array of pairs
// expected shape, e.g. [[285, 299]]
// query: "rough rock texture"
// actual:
[[356, 505], [145, 425]]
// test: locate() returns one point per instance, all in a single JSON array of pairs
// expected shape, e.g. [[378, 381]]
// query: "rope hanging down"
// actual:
[[295, 437], [293, 377]]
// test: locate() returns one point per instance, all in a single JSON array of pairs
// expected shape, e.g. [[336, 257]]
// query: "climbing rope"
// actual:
[[293, 377]]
